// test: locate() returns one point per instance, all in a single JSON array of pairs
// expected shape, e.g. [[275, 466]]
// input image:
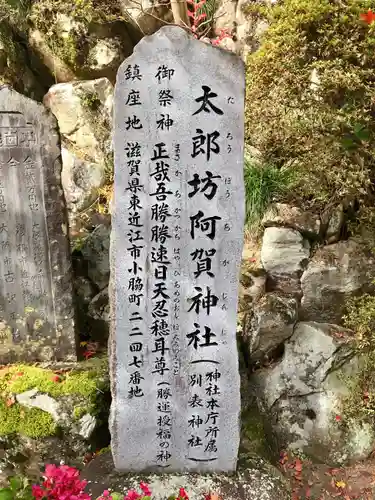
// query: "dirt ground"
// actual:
[[320, 482]]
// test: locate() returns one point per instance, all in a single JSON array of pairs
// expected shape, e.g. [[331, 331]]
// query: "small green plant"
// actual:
[[263, 184], [360, 317], [19, 488], [91, 101]]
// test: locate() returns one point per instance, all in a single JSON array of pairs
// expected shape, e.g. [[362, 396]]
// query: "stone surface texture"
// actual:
[[147, 17], [172, 60], [81, 181], [304, 392], [335, 273], [84, 114], [99, 306], [37, 318], [255, 480], [95, 251], [284, 251], [269, 324], [283, 215]]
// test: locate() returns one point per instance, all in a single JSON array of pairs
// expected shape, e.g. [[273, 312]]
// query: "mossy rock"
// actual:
[[73, 35], [41, 409], [14, 68]]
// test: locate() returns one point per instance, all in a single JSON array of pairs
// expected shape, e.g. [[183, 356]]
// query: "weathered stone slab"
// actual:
[[176, 247], [36, 310]]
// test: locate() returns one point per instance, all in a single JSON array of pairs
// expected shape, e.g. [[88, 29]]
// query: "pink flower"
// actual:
[[106, 496], [61, 483], [37, 492], [145, 489], [182, 494], [132, 495]]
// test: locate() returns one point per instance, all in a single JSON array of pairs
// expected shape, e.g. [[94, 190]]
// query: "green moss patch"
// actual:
[[30, 422], [20, 378]]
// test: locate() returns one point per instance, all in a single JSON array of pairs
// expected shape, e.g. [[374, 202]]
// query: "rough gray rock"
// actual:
[[84, 114], [146, 17], [284, 252], [302, 395], [269, 324], [84, 289], [35, 399], [99, 306], [87, 426], [81, 181], [283, 215], [335, 273], [95, 251], [253, 285], [336, 220]]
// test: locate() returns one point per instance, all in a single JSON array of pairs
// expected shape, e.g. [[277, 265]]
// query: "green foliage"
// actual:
[[91, 101], [263, 183], [31, 422], [79, 412], [209, 8], [360, 317], [14, 11], [83, 383], [19, 488], [311, 97], [70, 46]]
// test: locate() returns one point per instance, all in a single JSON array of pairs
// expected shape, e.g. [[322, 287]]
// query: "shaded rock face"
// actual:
[[257, 480], [283, 215], [14, 65], [96, 254], [73, 46], [334, 274], [269, 324], [303, 393]]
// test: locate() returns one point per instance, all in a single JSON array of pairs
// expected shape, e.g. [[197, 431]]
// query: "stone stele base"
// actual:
[[255, 480]]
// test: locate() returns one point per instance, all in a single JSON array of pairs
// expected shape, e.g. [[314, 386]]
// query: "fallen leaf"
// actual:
[[340, 484], [10, 401], [298, 465], [369, 17]]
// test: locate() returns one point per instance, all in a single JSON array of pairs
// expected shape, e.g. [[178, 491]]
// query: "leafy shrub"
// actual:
[[311, 97], [14, 11], [263, 184], [360, 317]]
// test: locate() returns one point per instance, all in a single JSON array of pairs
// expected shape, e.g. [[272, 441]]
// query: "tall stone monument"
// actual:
[[36, 308], [175, 252]]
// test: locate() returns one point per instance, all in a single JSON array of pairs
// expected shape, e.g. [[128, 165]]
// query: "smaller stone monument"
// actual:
[[36, 306]]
